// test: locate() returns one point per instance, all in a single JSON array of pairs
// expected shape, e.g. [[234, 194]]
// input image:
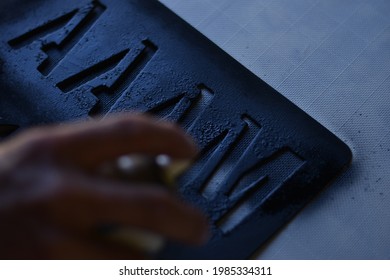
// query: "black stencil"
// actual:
[[262, 158]]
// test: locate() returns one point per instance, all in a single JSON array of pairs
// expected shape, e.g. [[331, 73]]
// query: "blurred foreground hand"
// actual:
[[51, 201]]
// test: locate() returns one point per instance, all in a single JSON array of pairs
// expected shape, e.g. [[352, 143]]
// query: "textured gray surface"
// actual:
[[332, 59]]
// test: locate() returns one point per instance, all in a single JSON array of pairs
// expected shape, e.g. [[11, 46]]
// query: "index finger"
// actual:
[[92, 143]]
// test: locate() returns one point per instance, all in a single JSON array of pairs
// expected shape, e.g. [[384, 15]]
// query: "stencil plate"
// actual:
[[262, 158]]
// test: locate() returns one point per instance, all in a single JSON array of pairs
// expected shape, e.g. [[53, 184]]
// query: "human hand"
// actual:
[[51, 201]]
